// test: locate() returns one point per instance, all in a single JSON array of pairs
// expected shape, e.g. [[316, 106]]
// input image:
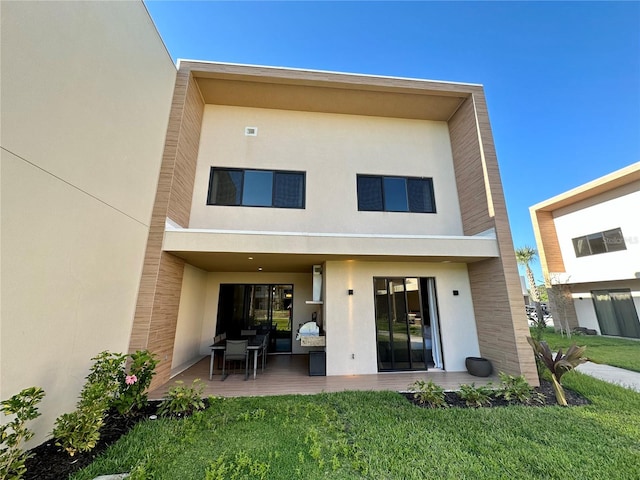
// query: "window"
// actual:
[[601, 242], [256, 188], [395, 194]]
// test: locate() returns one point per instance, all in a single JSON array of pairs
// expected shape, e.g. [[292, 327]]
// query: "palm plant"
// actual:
[[558, 365], [525, 256]]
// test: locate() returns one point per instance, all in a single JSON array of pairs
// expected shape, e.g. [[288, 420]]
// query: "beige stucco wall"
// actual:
[[350, 319], [331, 149], [86, 92], [190, 318]]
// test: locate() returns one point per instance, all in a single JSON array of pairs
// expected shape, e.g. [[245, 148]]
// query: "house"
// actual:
[[589, 245], [384, 192], [145, 207]]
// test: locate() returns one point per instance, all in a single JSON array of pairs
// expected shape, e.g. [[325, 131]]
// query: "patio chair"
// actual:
[[263, 350], [236, 350], [248, 333]]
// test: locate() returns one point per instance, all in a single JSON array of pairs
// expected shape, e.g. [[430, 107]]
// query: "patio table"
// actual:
[[255, 344]]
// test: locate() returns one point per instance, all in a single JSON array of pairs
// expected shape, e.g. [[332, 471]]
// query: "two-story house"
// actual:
[[589, 244], [371, 204]]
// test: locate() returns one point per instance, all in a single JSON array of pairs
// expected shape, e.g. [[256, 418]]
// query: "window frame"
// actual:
[[586, 239], [211, 201], [381, 179]]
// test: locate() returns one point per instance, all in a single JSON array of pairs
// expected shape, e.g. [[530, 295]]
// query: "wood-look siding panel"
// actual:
[[549, 252], [161, 281], [495, 283]]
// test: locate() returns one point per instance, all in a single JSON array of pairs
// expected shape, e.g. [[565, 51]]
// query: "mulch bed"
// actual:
[[50, 462], [546, 388], [53, 463]]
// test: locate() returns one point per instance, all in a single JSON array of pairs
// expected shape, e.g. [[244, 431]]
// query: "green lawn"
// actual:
[[379, 435], [611, 351]]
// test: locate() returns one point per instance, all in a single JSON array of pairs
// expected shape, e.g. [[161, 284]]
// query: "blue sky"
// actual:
[[562, 79]]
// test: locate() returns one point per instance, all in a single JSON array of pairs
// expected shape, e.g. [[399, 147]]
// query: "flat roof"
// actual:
[[609, 182]]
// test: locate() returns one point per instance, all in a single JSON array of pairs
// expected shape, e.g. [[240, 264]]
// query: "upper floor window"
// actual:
[[395, 194], [601, 242], [256, 188]]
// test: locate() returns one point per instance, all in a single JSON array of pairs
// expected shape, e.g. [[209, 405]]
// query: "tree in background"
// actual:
[[525, 256]]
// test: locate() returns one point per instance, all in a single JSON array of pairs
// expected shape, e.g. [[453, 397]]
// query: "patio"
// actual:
[[289, 374]]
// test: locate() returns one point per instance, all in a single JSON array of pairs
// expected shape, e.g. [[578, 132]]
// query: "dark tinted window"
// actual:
[[288, 190], [369, 193], [614, 240], [395, 194], [420, 195], [256, 188], [226, 187], [601, 242]]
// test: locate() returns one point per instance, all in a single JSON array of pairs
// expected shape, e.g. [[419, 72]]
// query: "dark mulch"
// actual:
[[546, 388], [53, 463]]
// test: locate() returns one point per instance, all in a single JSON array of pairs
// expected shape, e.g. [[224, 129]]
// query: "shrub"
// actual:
[[132, 393], [475, 396], [182, 400], [102, 384], [518, 389], [428, 394], [107, 385], [558, 365], [79, 431], [15, 433]]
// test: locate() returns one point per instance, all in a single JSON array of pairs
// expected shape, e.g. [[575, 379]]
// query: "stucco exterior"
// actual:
[[86, 93], [605, 204]]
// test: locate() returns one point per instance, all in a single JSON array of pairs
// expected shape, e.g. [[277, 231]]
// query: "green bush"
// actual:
[[428, 393], [182, 400], [517, 389], [132, 393], [15, 433], [79, 431], [475, 396], [107, 385]]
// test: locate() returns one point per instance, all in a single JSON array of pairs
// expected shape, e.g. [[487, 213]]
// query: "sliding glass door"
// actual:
[[616, 313], [406, 324], [266, 308]]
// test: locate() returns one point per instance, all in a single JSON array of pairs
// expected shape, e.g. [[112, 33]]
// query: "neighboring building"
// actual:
[[86, 93], [525, 290], [388, 186], [589, 246]]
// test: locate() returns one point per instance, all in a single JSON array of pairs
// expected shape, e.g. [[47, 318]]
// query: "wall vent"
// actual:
[[251, 131]]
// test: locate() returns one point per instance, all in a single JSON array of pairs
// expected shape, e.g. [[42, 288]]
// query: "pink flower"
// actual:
[[130, 379]]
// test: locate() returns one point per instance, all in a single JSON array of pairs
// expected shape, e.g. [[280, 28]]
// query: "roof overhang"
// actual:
[[617, 179], [327, 92]]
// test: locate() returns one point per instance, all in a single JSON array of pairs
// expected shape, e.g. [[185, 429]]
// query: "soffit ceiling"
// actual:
[[241, 262], [332, 98]]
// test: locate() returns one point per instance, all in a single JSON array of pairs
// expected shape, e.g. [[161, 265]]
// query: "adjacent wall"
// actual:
[[495, 283], [86, 93]]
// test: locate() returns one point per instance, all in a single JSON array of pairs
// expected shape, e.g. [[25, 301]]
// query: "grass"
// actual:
[[617, 352], [379, 435]]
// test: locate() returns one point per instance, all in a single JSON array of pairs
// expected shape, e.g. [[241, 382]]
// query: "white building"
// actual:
[[589, 245]]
